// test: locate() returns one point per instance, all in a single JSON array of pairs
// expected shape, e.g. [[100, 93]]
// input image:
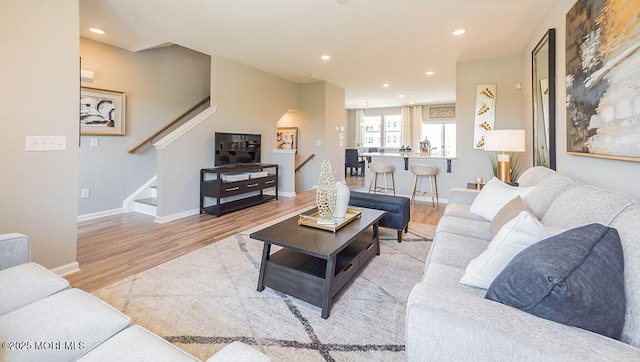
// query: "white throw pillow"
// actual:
[[516, 235], [494, 195]]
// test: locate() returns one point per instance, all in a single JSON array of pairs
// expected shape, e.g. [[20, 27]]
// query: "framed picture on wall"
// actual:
[[102, 112], [602, 79], [287, 138], [442, 112]]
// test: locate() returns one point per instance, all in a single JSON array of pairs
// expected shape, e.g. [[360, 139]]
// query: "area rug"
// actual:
[[206, 299]]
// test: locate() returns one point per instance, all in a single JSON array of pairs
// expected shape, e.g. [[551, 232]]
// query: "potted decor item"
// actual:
[[326, 192], [342, 200]]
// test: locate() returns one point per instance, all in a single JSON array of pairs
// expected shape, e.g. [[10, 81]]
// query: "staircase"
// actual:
[[148, 205], [144, 200]]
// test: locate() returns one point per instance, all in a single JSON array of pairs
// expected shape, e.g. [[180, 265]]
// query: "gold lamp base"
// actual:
[[504, 169]]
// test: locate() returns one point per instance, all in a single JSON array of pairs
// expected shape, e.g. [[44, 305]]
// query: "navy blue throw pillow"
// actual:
[[575, 278]]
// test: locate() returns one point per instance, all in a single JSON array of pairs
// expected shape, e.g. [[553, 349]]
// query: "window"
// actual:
[[373, 132], [393, 131], [442, 136], [371, 127]]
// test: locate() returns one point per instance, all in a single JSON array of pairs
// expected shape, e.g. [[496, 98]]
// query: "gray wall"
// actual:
[[469, 164], [505, 72], [623, 176], [160, 84], [321, 111], [40, 93], [248, 101]]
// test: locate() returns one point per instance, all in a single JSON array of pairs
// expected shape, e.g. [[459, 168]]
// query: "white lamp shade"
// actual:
[[504, 140]]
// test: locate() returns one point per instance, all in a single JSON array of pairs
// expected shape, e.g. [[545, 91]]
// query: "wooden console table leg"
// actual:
[[326, 294], [263, 264]]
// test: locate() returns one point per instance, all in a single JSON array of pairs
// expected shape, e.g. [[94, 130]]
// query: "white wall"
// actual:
[[623, 176], [160, 84], [40, 93]]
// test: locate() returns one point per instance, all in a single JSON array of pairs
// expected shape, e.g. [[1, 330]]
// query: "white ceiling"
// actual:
[[371, 42]]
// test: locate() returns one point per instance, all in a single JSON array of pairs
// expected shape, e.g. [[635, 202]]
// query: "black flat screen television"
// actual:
[[235, 148]]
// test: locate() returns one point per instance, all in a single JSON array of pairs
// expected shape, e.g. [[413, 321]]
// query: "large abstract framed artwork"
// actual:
[[603, 79], [102, 112]]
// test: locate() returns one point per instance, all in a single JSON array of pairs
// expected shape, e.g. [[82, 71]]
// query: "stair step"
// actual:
[[149, 201]]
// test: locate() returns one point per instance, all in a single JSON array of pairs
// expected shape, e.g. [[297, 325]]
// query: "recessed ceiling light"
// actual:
[[325, 57], [400, 95], [385, 84], [429, 73], [96, 30], [458, 32]]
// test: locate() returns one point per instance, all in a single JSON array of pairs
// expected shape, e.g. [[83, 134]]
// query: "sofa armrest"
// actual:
[[15, 249], [462, 196], [446, 323]]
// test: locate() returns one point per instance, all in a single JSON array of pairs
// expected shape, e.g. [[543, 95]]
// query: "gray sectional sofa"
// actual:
[[43, 319], [450, 321]]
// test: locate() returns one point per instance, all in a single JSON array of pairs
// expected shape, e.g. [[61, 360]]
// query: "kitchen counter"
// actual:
[[403, 176]]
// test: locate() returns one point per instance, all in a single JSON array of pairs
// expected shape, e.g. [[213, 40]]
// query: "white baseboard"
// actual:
[[67, 269], [180, 215], [286, 194], [101, 214]]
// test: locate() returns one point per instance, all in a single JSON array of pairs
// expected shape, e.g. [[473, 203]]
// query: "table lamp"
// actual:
[[506, 140]]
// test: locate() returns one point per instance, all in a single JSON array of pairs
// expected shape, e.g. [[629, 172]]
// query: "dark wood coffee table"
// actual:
[[316, 265]]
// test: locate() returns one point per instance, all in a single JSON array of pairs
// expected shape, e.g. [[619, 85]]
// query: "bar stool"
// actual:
[[425, 170], [381, 168]]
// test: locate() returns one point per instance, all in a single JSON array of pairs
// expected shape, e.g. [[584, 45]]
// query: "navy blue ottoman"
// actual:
[[397, 208]]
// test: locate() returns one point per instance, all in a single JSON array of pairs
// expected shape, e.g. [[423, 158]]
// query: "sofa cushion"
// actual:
[[24, 284], [462, 196], [510, 210], [137, 344], [534, 175], [455, 250], [465, 227], [585, 205], [75, 319], [461, 211], [628, 227], [512, 238], [540, 198], [494, 195], [449, 321], [575, 278]]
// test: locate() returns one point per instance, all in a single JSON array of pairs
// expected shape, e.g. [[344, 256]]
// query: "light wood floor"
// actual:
[[115, 247]]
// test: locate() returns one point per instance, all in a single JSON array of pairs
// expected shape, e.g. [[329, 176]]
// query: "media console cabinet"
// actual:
[[228, 182]]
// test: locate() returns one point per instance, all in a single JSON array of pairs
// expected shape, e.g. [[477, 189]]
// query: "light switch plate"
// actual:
[[46, 143]]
